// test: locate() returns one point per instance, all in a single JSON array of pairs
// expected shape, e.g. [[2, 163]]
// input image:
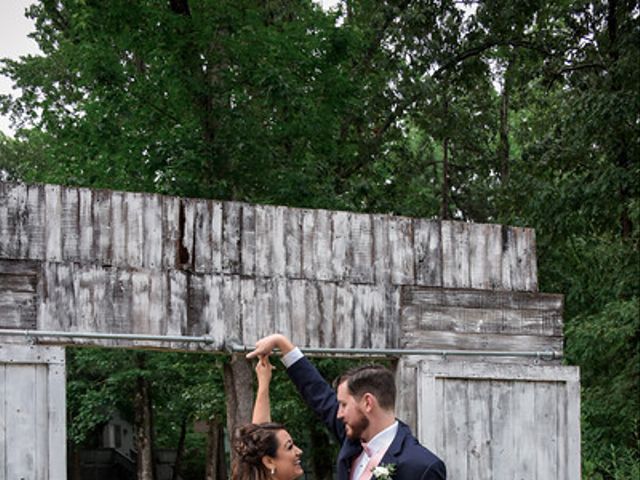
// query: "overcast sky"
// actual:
[[14, 41]]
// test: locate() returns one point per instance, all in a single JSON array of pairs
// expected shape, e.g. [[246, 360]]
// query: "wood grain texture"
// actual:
[[482, 320], [427, 253], [500, 421]]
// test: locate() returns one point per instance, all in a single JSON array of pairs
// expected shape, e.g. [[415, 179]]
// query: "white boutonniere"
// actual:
[[383, 472]]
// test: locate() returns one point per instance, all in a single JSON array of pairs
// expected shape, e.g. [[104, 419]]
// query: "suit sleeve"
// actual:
[[317, 394], [437, 471]]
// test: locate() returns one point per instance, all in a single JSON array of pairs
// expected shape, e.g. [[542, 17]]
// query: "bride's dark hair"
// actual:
[[251, 442]]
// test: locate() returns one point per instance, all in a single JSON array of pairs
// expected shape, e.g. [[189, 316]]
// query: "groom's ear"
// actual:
[[369, 401]]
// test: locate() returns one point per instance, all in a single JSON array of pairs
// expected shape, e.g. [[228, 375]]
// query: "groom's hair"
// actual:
[[374, 379]]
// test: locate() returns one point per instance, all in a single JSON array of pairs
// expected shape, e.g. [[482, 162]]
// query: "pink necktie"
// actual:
[[372, 463]]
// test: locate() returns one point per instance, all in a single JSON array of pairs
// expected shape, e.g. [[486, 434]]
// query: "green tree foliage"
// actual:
[[513, 112]]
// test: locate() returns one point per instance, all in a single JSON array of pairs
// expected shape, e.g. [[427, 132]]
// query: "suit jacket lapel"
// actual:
[[395, 449], [350, 449]]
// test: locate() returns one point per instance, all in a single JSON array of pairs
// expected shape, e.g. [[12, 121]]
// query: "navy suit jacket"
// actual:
[[412, 460]]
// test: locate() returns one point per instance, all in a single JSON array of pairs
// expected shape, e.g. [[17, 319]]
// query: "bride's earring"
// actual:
[[273, 472]]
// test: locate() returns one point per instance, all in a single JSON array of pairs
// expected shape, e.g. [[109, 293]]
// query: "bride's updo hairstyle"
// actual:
[[251, 442]]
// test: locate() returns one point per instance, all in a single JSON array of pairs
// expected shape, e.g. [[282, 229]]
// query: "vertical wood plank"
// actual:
[[392, 314], [362, 247], [341, 252], [21, 430], [231, 308], [478, 257], [265, 308], [53, 232], [153, 233], [456, 421], [381, 249], [217, 231], [41, 422], [231, 233], [503, 409], [523, 424], [409, 381], [345, 333], [140, 302], [298, 312], [313, 316], [248, 240], [84, 281], [136, 236], [479, 450], [573, 429], [57, 308], [5, 243], [3, 419], [86, 248], [277, 245], [122, 301], [546, 433], [316, 231], [293, 243], [213, 309], [57, 441], [36, 228], [178, 295], [102, 221], [401, 248], [362, 315], [203, 251], [14, 228], [157, 303], [249, 310], [118, 229], [562, 453], [187, 238], [282, 308], [170, 231], [428, 257], [263, 241], [69, 224], [455, 251], [198, 295], [429, 415], [380, 329], [327, 309]]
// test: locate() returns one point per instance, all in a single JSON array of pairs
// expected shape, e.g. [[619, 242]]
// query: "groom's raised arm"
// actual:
[[315, 390]]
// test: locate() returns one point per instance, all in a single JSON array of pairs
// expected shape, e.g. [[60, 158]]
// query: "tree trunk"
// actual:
[[75, 470], [238, 387], [620, 143], [216, 468], [503, 146], [144, 424], [444, 205], [180, 449]]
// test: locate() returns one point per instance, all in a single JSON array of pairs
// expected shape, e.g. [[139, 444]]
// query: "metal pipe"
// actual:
[[546, 355], [237, 348], [106, 336]]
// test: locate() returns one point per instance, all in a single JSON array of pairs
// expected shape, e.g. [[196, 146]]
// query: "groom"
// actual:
[[361, 414]]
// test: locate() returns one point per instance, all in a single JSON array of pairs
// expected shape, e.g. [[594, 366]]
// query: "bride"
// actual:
[[265, 450]]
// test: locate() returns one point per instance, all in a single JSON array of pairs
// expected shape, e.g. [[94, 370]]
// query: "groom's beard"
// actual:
[[354, 429]]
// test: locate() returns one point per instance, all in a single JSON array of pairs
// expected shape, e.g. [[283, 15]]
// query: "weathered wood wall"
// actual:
[[80, 260], [501, 421], [76, 259], [32, 413]]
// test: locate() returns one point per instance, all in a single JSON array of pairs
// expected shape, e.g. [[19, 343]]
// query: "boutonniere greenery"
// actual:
[[383, 471]]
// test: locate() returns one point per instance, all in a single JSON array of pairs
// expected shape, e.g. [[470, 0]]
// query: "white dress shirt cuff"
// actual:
[[292, 357]]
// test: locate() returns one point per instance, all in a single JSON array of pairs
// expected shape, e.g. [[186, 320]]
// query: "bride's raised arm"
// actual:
[[262, 407]]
